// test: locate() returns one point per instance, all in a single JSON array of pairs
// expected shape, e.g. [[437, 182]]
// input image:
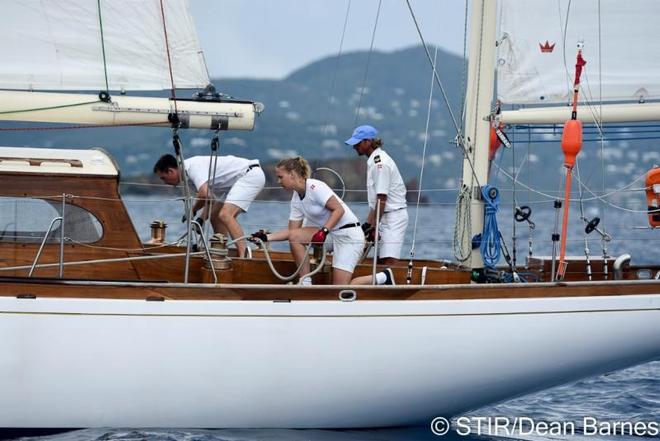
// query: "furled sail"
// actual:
[[60, 45], [538, 41]]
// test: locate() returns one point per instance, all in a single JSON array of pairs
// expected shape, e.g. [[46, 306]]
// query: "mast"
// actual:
[[479, 96]]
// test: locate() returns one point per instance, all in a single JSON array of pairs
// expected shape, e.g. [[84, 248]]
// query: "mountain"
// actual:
[[313, 110]]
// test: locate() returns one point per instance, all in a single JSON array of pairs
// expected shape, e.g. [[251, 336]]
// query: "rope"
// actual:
[[366, 70], [490, 239], [269, 260], [105, 65], [462, 243], [169, 59]]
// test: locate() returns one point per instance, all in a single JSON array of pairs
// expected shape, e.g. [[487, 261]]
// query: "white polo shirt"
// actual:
[[383, 177], [312, 205], [227, 170]]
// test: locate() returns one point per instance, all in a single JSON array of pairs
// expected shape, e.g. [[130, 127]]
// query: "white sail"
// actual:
[[55, 45], [620, 46]]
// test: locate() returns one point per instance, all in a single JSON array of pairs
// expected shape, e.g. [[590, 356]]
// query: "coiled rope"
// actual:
[[490, 238]]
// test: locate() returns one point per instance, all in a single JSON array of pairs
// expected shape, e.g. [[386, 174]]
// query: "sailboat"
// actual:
[[101, 329]]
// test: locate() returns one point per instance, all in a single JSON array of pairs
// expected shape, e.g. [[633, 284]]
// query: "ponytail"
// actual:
[[297, 165]]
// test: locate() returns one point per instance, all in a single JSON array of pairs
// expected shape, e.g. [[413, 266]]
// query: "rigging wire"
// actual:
[[169, 59], [462, 229], [421, 172], [465, 65], [366, 70], [600, 114], [595, 196], [337, 59], [435, 72], [105, 65], [564, 25], [37, 109]]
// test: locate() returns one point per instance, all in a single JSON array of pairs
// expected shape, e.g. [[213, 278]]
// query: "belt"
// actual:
[[251, 167], [354, 224]]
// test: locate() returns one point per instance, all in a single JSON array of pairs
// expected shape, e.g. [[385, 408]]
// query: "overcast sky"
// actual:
[[271, 38]]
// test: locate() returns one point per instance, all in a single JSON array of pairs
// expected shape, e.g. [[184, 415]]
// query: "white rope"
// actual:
[[462, 242], [295, 273]]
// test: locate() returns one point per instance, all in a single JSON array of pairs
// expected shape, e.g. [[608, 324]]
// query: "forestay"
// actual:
[[57, 45], [531, 72]]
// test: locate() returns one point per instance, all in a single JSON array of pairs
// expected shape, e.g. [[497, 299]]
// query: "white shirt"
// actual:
[[383, 177], [312, 205], [227, 170]]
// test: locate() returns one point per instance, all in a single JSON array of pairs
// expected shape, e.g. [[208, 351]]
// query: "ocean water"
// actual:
[[431, 228], [631, 395]]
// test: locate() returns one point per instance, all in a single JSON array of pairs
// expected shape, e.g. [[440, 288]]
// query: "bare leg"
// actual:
[[368, 280], [298, 240], [218, 226], [362, 280], [342, 277], [227, 216]]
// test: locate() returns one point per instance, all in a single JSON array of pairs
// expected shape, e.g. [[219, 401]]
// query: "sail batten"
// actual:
[[534, 58], [51, 45]]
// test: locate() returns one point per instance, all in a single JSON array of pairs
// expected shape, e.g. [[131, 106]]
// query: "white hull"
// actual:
[[322, 364]]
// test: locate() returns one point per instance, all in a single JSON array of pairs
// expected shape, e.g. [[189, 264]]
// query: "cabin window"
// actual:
[[26, 220]]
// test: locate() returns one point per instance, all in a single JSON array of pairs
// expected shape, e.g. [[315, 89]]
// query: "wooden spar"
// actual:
[[124, 110]]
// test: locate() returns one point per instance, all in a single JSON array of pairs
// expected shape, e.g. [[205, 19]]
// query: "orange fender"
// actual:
[[571, 141], [652, 185]]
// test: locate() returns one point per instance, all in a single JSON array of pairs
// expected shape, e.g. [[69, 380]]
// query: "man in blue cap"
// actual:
[[386, 192]]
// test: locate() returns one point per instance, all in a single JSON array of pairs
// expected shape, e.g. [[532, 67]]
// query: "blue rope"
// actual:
[[490, 239]]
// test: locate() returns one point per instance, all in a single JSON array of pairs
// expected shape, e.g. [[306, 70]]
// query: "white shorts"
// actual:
[[347, 246], [246, 188], [392, 231]]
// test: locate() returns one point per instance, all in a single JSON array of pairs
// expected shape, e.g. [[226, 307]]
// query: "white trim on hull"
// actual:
[[132, 363], [75, 108]]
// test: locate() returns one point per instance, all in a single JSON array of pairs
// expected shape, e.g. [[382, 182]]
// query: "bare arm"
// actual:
[[284, 234], [201, 198], [337, 212], [380, 202]]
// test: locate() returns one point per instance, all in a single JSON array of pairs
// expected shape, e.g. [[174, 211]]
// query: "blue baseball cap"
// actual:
[[361, 133]]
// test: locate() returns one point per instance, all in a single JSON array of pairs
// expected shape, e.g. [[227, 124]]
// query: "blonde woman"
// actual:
[[328, 219]]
